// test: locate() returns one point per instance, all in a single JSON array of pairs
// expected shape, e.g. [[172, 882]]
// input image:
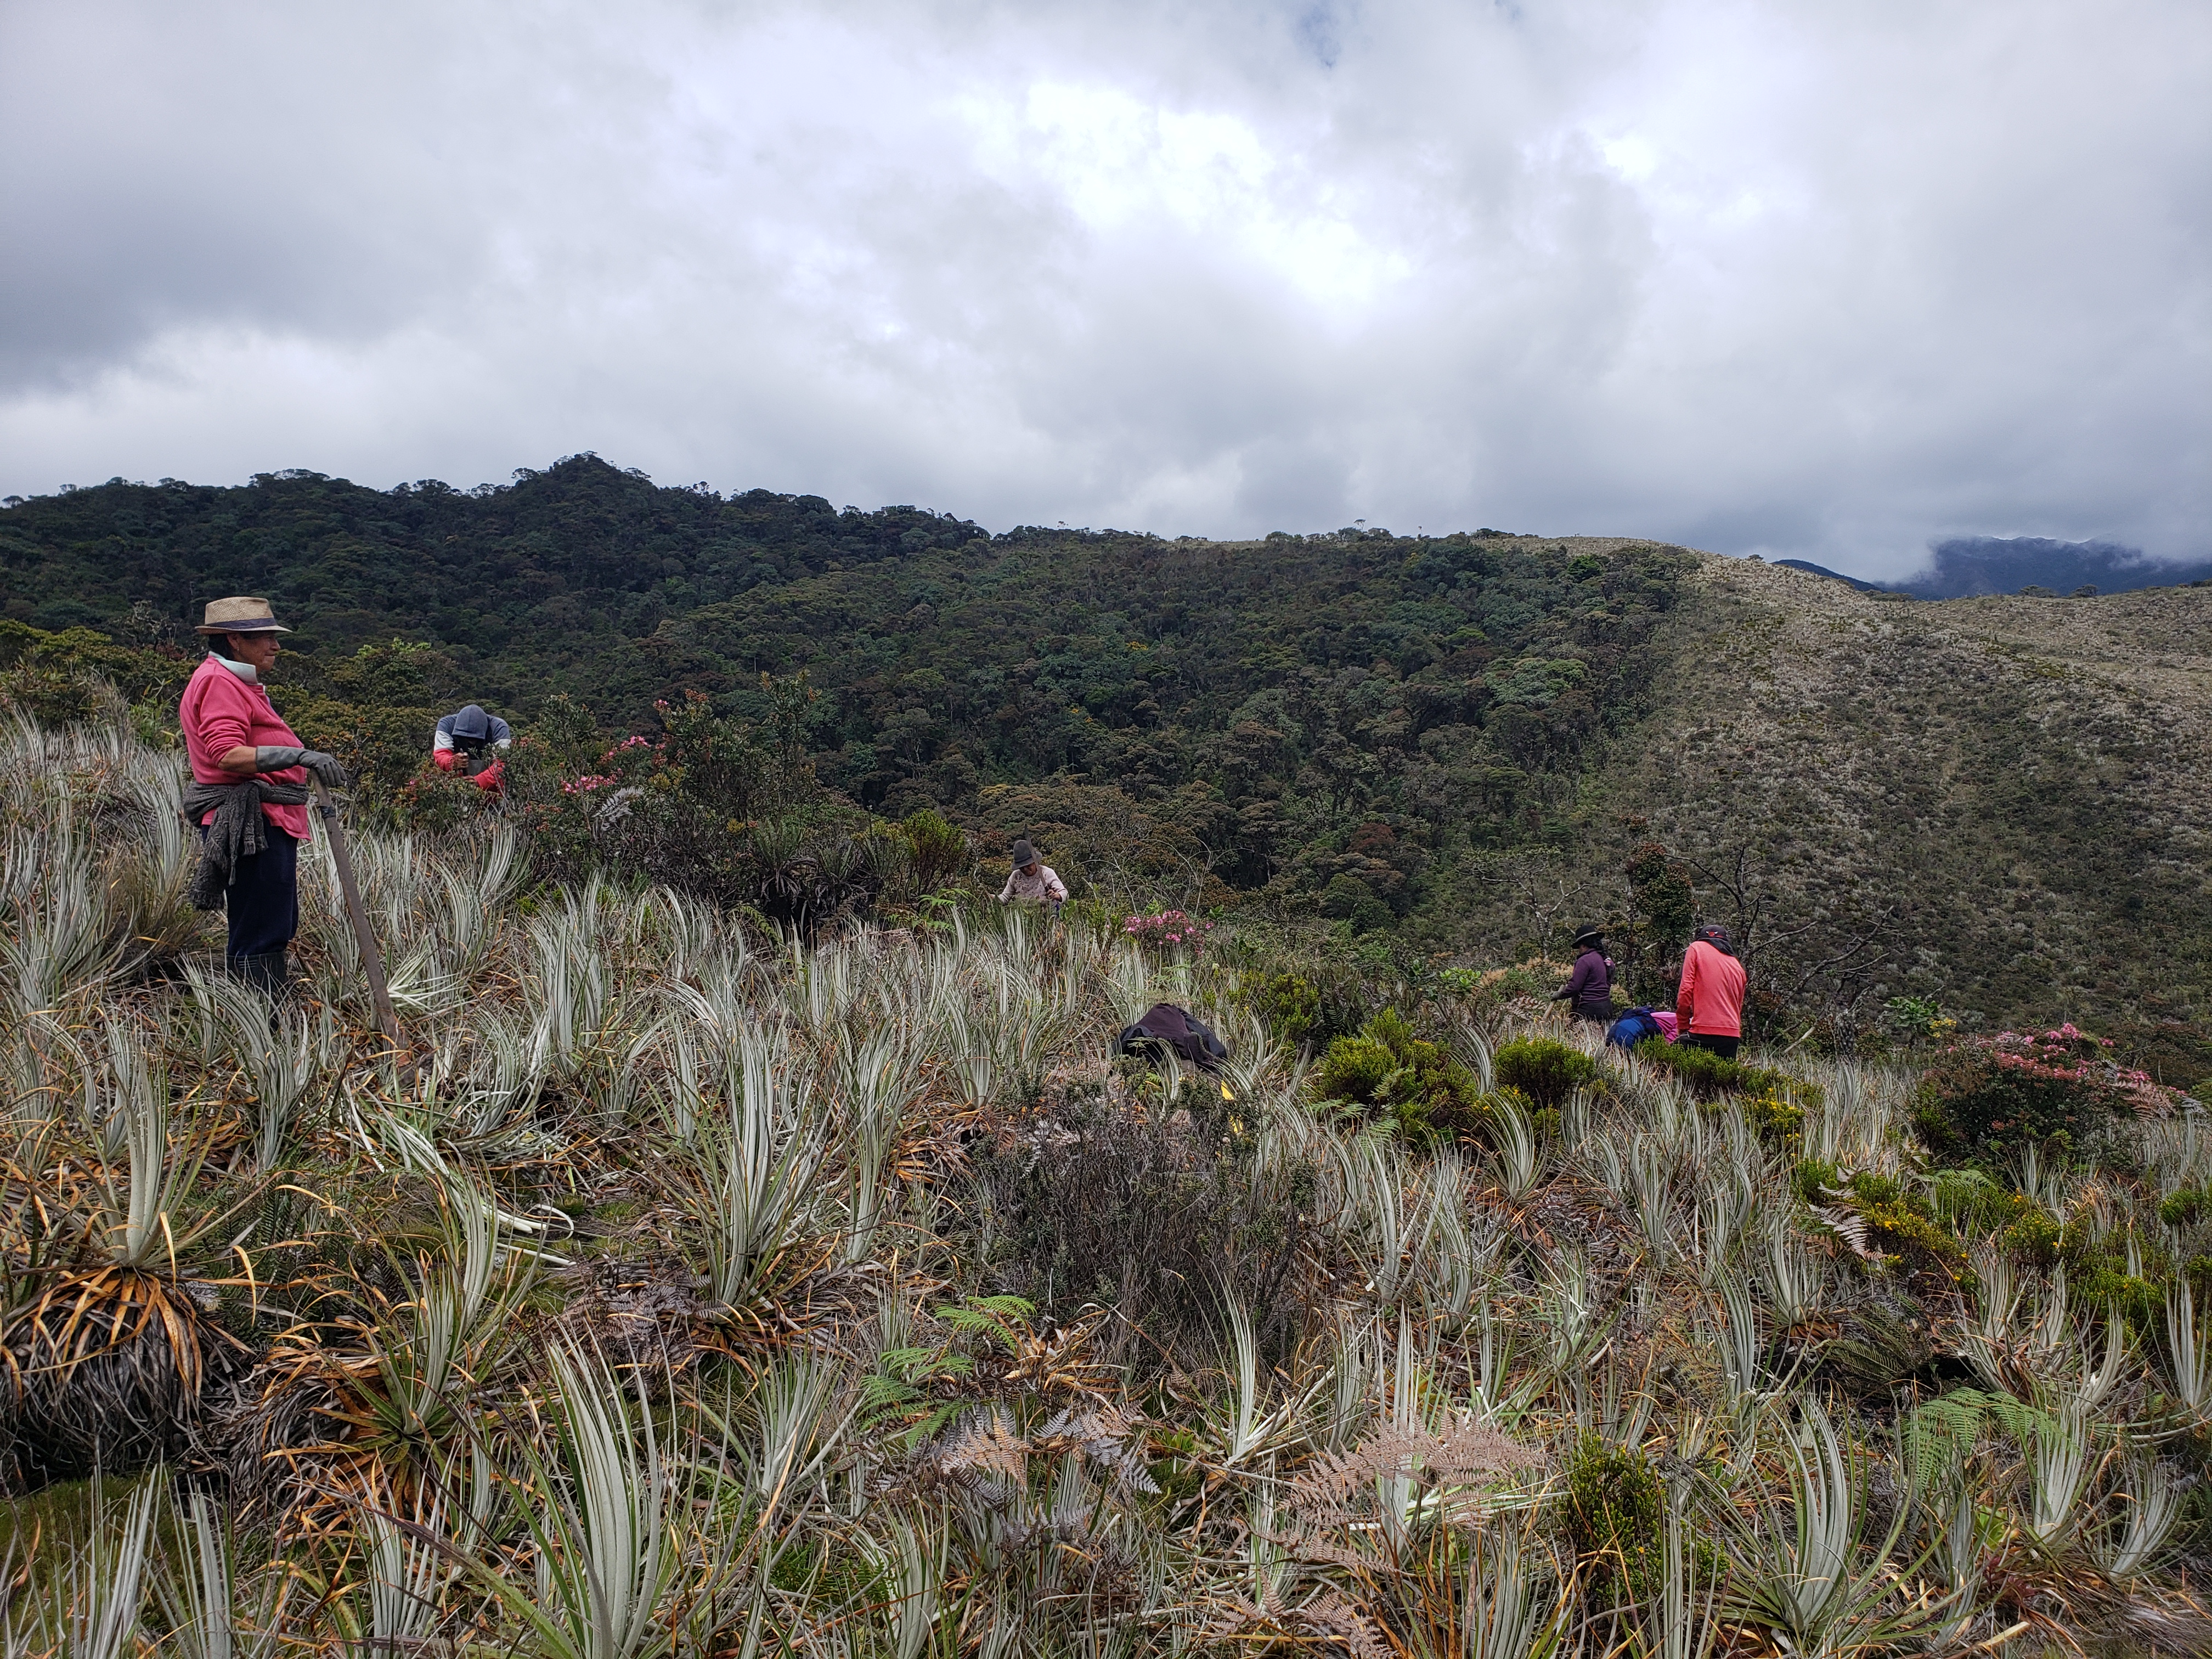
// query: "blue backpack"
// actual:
[[1632, 1028]]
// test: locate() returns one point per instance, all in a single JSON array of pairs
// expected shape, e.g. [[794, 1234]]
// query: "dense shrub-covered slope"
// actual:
[[2012, 794], [1430, 749]]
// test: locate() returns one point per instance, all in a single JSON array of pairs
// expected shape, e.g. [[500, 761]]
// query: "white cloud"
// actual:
[[1821, 281]]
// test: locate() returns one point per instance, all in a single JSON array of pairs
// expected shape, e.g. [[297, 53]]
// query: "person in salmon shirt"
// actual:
[[249, 791], [1708, 1002]]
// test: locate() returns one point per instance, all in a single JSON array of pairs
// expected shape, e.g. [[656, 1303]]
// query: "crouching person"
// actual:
[[475, 743], [249, 791], [1033, 880]]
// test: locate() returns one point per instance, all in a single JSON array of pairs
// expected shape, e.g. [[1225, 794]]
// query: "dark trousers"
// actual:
[[263, 900], [1723, 1046]]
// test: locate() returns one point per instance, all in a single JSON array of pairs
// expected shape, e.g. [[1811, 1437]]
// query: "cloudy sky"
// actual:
[[1825, 280]]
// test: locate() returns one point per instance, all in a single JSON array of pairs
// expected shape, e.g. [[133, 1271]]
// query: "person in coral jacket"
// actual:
[[473, 741], [1708, 1002]]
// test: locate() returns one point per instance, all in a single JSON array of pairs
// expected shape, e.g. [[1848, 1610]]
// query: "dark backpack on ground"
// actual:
[[1632, 1028], [1166, 1026]]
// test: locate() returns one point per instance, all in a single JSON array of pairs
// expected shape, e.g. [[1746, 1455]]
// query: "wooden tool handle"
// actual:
[[371, 959]]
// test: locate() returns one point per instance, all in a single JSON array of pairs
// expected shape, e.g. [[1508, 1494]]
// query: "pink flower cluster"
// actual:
[[592, 781], [2067, 1054], [1168, 927]]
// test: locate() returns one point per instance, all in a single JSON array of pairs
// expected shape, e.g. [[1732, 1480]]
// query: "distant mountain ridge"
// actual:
[[1974, 567], [1969, 567]]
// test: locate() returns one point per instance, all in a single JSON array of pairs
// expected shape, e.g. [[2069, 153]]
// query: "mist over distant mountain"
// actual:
[[1970, 565]]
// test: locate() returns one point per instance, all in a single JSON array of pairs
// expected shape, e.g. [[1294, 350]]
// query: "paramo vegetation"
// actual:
[[695, 1277]]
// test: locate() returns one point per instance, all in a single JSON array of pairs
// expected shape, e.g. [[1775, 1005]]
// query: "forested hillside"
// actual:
[[1339, 711], [1419, 750]]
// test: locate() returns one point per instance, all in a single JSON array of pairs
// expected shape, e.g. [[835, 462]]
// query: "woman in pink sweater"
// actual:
[[249, 790], [1708, 1002]]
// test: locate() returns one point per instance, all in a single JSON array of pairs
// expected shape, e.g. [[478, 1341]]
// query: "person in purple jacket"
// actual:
[[1589, 991]]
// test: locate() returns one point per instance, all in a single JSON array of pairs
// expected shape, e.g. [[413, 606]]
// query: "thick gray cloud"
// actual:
[[1824, 281]]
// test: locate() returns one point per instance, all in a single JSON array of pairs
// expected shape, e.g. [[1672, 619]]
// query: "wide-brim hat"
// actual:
[[1588, 935], [239, 616], [1024, 855]]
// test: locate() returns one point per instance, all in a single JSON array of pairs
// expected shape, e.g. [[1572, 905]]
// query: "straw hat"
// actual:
[[239, 616]]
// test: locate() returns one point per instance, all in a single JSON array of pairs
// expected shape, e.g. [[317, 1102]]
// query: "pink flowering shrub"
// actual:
[[1987, 1097], [1168, 927], [635, 760], [701, 804]]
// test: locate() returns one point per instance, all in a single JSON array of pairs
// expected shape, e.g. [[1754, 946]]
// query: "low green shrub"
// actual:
[[939, 850], [1489, 989], [1177, 1468], [1969, 1201], [1708, 1075], [1902, 1222], [1813, 1181], [1287, 1004], [2033, 1235], [2186, 1207], [1544, 1069], [1775, 1118], [1616, 1515], [2098, 1276], [1384, 1068], [1312, 1003], [1899, 1221]]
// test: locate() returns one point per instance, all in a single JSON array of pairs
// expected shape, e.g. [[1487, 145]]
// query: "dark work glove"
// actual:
[[274, 757]]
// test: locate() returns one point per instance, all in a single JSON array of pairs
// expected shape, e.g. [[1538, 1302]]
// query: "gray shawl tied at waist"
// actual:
[[239, 830]]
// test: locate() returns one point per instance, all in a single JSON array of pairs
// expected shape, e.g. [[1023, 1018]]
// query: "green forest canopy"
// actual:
[[1352, 706]]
